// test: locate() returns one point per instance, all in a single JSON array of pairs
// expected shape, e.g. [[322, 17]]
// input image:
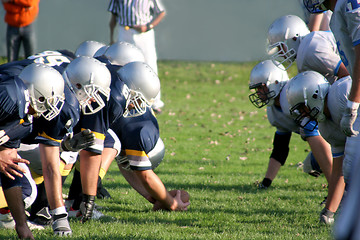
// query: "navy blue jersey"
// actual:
[[138, 136], [13, 107], [52, 132], [57, 59], [100, 121], [43, 131]]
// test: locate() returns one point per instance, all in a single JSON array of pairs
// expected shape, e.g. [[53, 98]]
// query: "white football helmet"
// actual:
[[101, 51], [46, 89], [284, 36], [316, 6], [144, 86], [90, 80], [306, 94], [88, 48], [266, 73], [121, 53]]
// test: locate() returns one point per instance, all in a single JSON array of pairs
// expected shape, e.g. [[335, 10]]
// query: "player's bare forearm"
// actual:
[[355, 87]]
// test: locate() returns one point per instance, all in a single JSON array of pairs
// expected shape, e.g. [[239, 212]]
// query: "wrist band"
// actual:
[[149, 26]]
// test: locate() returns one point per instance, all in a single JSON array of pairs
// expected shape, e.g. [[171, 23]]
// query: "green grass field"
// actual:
[[217, 149]]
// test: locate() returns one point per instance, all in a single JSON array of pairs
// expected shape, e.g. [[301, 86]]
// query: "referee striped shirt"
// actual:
[[135, 12]]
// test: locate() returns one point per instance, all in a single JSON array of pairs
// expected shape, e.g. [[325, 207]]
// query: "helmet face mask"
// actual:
[[262, 96], [136, 104], [90, 99], [46, 89], [49, 108], [316, 6], [306, 95], [143, 85], [90, 80], [282, 56], [268, 80], [284, 36], [304, 117]]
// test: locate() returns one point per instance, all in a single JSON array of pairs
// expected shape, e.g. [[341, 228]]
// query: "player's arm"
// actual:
[[141, 165], [350, 113], [157, 190], [355, 88], [342, 71], [152, 24], [315, 21], [112, 25], [50, 159], [91, 161]]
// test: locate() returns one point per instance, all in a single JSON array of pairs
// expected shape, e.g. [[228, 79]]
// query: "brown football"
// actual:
[[185, 197]]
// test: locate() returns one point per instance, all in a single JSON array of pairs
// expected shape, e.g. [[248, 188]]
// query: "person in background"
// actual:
[[20, 16], [137, 20]]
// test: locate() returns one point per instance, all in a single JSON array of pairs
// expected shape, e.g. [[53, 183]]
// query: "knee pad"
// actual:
[[281, 147]]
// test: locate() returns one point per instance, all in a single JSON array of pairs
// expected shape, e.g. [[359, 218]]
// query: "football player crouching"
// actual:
[[270, 84], [49, 130], [138, 160], [28, 94], [101, 106]]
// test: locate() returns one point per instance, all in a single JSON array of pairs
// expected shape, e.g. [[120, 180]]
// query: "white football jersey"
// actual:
[[344, 24], [280, 117], [336, 102], [318, 52]]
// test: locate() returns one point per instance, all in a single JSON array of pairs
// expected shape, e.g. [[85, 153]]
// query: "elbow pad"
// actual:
[[281, 147]]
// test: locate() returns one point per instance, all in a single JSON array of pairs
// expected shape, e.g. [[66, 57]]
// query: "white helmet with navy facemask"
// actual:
[[284, 36], [46, 89], [266, 73], [144, 86], [90, 80], [306, 95]]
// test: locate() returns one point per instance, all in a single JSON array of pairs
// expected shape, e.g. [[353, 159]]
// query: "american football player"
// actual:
[[118, 55], [101, 110], [30, 93], [312, 98], [47, 134], [344, 24], [291, 41], [270, 84], [142, 150]]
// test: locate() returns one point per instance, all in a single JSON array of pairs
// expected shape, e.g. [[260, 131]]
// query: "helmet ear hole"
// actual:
[[41, 99], [78, 86]]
